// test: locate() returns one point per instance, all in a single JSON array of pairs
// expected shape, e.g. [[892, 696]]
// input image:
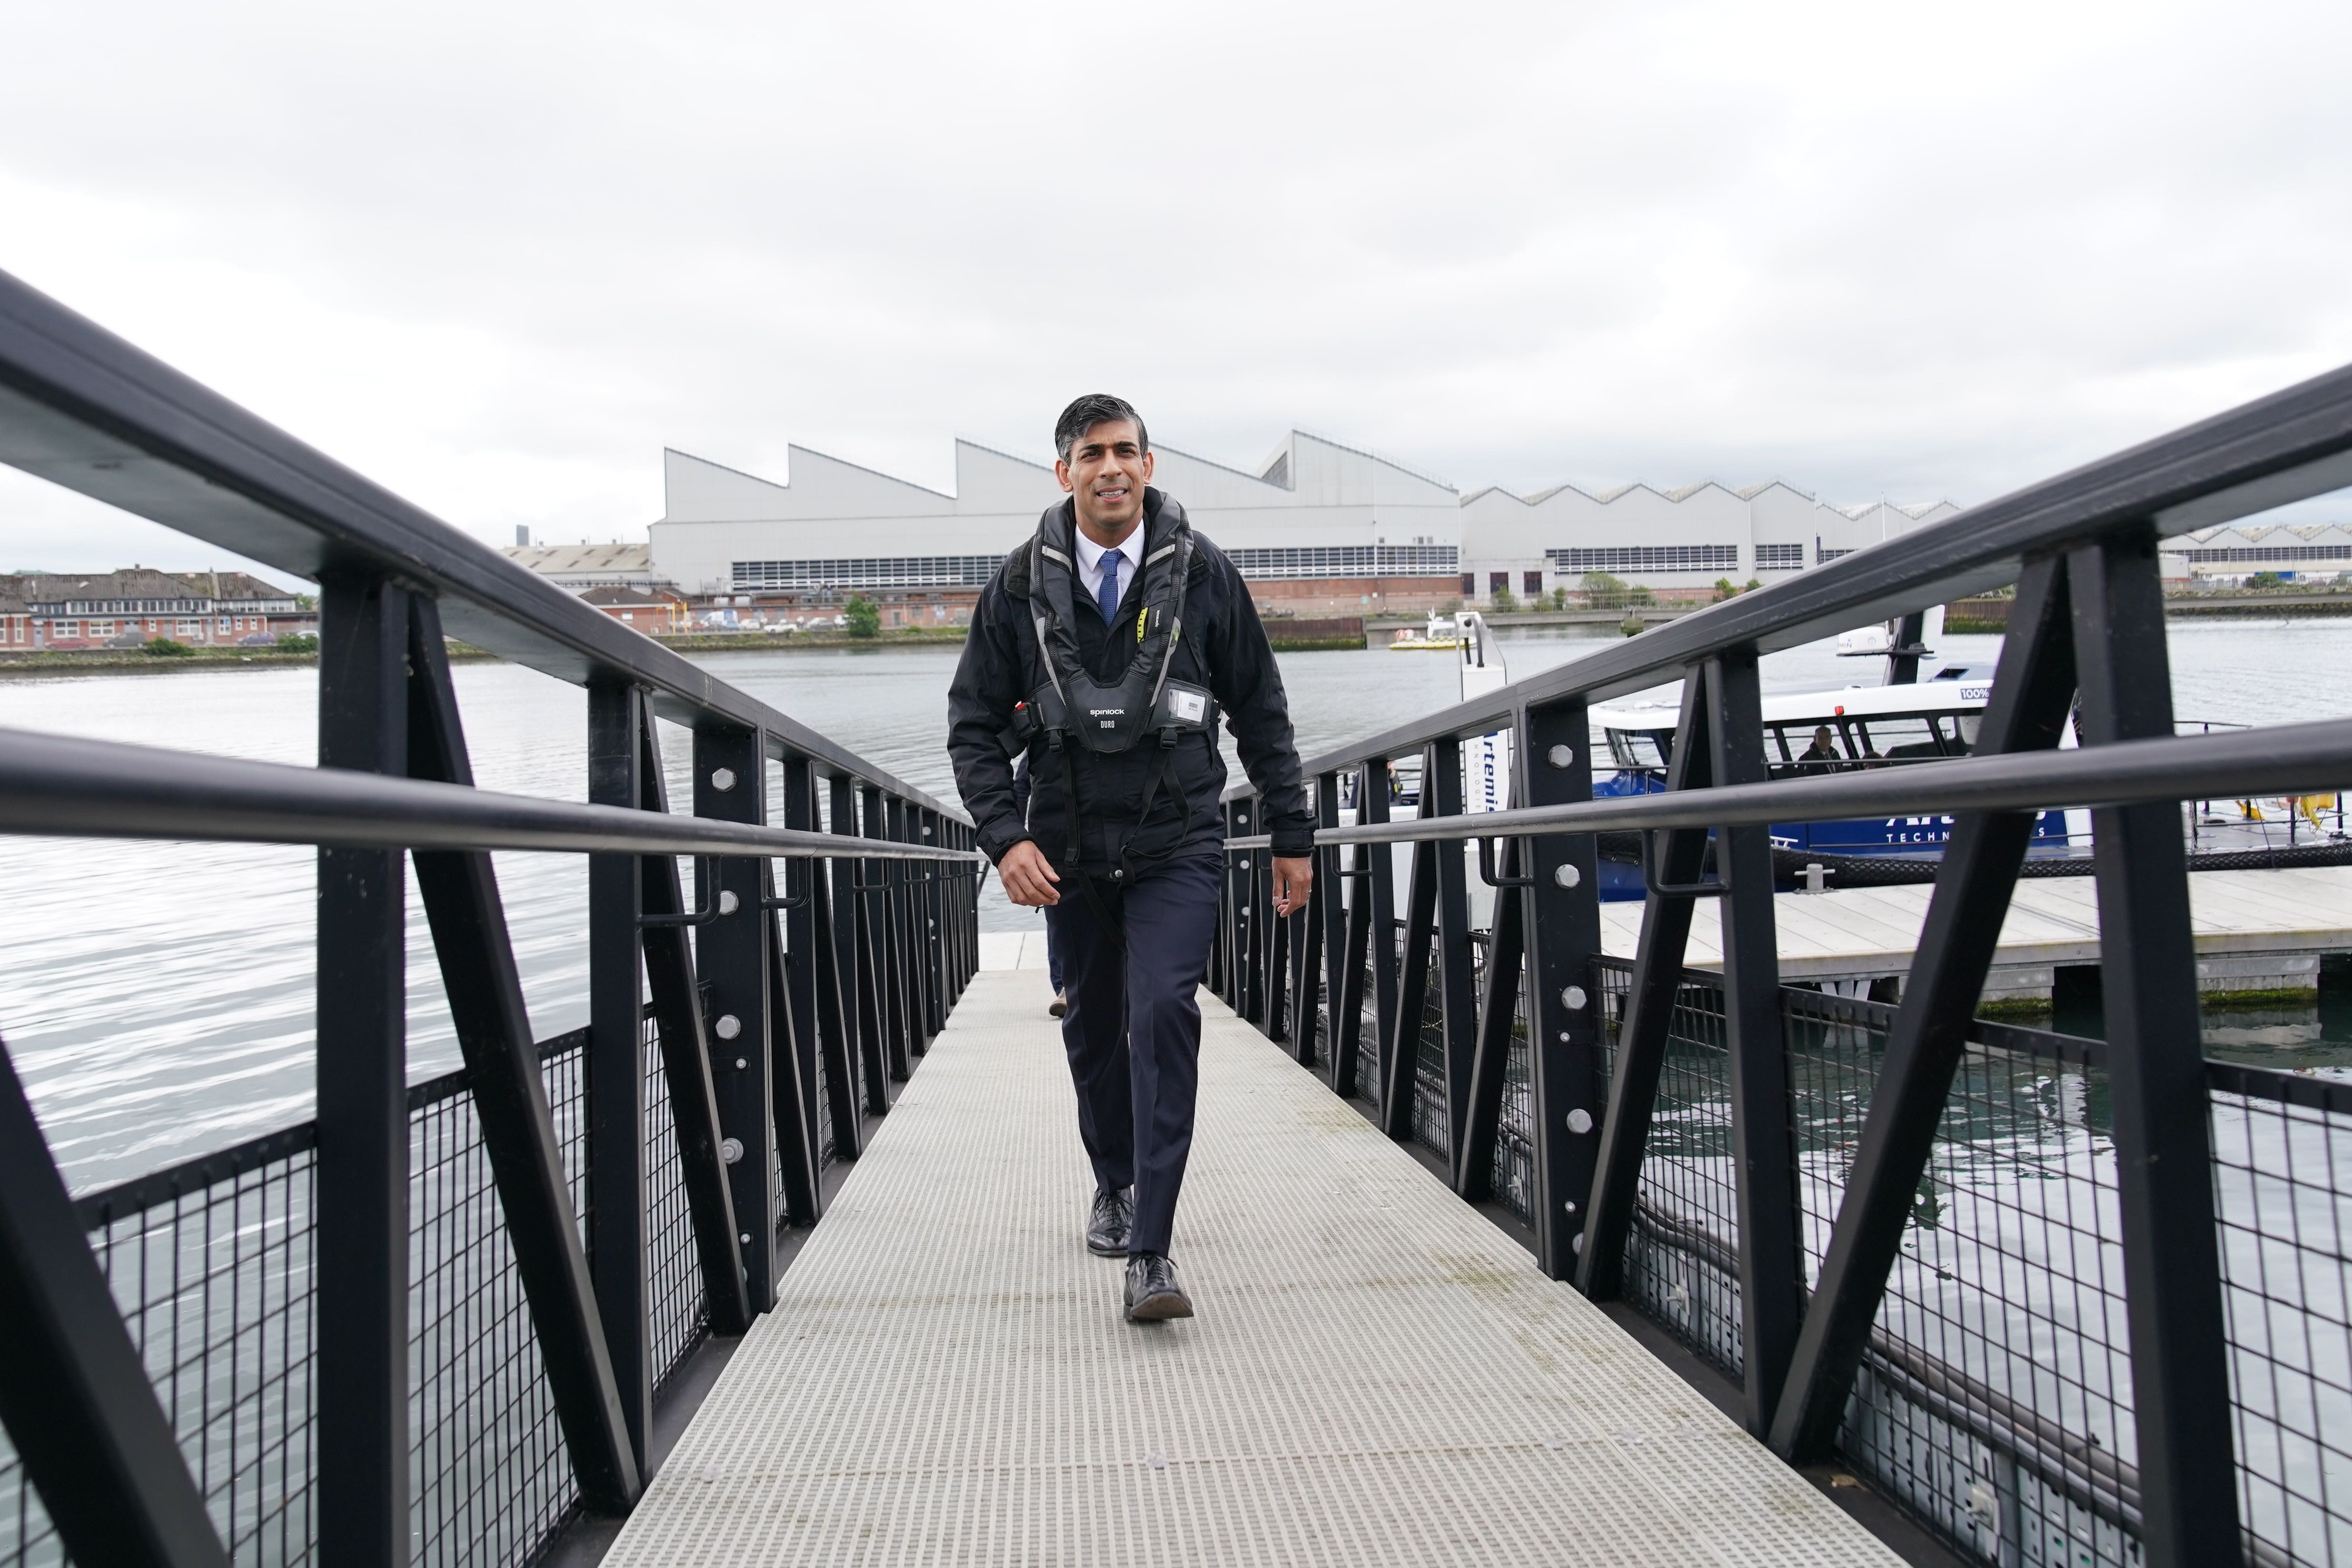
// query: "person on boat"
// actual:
[[1104, 651], [1823, 755]]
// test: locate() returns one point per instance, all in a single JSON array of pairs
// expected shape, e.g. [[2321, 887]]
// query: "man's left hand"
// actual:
[[1294, 879]]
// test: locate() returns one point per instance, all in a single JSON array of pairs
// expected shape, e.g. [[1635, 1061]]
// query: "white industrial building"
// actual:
[[2235, 551], [1318, 527], [1355, 526], [1687, 539]]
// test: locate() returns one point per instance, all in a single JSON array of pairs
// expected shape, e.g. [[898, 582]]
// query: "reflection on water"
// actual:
[[2313, 1037]]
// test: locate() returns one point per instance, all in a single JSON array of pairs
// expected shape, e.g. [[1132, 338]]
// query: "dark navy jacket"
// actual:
[[1223, 648]]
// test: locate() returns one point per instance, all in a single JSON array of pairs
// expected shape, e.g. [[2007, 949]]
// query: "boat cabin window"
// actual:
[[1644, 750], [1795, 752], [1899, 737], [1845, 741]]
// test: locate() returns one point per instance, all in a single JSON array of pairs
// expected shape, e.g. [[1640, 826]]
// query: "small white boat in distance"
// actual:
[[1439, 636]]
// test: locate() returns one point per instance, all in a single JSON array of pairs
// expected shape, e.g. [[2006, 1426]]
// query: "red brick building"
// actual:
[[16, 619], [131, 608], [648, 610]]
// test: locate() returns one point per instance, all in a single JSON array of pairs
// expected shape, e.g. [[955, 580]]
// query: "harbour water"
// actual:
[[157, 998]]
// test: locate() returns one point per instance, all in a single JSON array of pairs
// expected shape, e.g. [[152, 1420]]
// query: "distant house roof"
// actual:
[[233, 587], [551, 560], [626, 598], [137, 584]]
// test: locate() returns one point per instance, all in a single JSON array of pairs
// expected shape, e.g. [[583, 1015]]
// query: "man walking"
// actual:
[[1104, 651]]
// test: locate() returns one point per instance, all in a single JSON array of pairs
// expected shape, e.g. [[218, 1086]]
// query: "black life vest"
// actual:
[[1070, 708], [1069, 705]]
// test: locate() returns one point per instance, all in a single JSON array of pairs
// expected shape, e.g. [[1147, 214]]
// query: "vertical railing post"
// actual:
[[617, 1066], [677, 1009], [2156, 1072], [1237, 878], [792, 1080], [880, 906], [930, 923], [1771, 1278], [1332, 913], [1257, 919], [815, 956], [1278, 931], [1458, 992], [1478, 1127], [1401, 1032], [1379, 889], [732, 954], [362, 1207], [914, 951], [1563, 938], [799, 878], [854, 948], [1348, 957]]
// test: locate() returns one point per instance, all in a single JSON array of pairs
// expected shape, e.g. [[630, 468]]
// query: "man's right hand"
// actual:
[[1028, 878]]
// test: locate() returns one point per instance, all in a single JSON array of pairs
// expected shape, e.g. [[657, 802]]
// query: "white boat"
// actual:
[[1439, 636]]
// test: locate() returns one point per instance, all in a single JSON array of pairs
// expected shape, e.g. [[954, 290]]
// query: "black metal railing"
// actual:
[[435, 1325], [2058, 1300]]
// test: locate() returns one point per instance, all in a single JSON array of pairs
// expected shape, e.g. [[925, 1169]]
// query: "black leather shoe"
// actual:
[[1152, 1294], [1106, 1226]]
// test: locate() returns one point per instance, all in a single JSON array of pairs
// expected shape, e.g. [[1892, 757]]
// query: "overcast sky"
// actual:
[[498, 256]]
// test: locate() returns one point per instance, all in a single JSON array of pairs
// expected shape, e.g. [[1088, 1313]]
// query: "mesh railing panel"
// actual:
[[1515, 1153], [1994, 1404], [1681, 1258], [1429, 1117], [211, 1264], [827, 1151], [487, 1469], [2284, 1199], [678, 1311]]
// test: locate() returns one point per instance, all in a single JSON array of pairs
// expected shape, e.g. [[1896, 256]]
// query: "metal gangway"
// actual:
[[1507, 1250]]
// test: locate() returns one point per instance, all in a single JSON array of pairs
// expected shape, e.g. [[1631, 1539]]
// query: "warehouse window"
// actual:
[[1646, 558], [870, 571], [1779, 557], [2222, 556], [1296, 562]]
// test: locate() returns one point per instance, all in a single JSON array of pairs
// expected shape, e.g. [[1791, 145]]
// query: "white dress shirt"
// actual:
[[1090, 556]]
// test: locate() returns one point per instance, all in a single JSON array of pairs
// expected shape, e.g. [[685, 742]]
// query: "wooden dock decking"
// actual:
[[1377, 1375]]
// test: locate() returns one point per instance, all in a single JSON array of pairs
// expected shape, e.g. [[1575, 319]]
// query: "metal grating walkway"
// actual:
[[1377, 1375]]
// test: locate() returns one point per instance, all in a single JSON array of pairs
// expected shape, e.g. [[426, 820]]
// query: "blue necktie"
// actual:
[[1108, 597]]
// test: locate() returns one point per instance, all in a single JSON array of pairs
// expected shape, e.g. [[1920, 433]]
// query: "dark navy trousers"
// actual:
[[1133, 1028]]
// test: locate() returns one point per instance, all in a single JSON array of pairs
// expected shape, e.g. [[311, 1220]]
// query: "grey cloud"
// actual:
[[499, 257]]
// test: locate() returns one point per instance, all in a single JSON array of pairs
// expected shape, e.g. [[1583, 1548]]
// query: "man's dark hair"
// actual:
[[1095, 408]]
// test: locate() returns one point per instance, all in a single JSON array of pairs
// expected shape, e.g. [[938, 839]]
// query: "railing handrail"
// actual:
[[69, 788], [2285, 759], [2287, 446], [83, 408]]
